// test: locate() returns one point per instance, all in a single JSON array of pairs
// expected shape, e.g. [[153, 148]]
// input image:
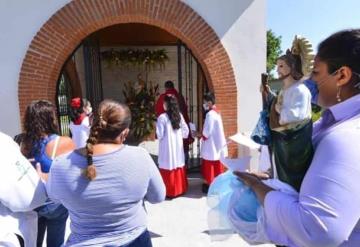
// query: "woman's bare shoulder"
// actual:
[[65, 145]]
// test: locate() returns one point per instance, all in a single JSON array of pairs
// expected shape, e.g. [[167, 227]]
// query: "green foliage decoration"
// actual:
[[150, 59], [141, 101]]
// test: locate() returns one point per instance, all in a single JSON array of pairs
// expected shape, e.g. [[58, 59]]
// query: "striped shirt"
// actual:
[[109, 210]]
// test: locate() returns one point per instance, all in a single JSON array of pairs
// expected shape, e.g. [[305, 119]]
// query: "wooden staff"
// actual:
[[264, 93]]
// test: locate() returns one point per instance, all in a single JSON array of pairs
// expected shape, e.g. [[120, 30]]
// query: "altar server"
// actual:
[[171, 128], [213, 142]]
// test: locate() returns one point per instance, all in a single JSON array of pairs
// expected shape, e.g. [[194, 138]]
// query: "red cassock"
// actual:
[[171, 158], [175, 181], [210, 169]]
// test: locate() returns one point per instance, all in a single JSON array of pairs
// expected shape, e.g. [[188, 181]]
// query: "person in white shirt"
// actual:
[[80, 122], [171, 128], [213, 142], [21, 190]]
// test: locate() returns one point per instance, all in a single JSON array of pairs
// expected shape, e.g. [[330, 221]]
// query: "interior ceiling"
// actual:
[[134, 34]]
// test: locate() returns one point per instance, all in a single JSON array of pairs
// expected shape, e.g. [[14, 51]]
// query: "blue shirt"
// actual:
[[327, 210], [312, 86], [109, 210], [39, 153]]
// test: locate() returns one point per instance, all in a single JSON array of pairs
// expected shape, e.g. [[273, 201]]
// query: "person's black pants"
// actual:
[[143, 240]]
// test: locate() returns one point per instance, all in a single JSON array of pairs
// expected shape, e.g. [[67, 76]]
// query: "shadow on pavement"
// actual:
[[194, 190], [154, 235]]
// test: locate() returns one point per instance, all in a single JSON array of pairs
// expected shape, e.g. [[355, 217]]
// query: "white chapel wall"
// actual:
[[239, 24], [20, 20], [242, 29]]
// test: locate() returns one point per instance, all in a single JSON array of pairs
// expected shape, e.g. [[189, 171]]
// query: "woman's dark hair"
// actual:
[[209, 96], [341, 49], [294, 62], [173, 111], [110, 120], [76, 109], [39, 121]]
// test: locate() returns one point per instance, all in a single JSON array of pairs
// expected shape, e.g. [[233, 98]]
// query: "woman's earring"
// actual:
[[338, 94]]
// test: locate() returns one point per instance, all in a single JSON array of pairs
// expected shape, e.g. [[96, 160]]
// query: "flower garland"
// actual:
[[151, 59]]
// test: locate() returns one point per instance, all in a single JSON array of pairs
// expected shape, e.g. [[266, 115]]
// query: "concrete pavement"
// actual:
[[183, 221]]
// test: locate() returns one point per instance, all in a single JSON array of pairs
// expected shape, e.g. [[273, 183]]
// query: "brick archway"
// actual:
[[62, 33]]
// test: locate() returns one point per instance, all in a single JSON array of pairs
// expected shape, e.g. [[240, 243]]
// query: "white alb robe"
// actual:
[[215, 141], [80, 133], [171, 148]]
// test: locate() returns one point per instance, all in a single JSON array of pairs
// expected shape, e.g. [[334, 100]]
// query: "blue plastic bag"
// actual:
[[234, 208], [261, 133]]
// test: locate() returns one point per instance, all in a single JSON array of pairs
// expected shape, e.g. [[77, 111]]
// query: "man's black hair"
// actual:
[[169, 84], [209, 96]]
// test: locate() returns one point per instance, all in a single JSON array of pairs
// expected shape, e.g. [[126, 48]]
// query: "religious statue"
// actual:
[[140, 83], [140, 97], [285, 123]]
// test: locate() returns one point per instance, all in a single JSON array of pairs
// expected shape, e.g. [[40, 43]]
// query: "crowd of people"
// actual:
[[89, 177]]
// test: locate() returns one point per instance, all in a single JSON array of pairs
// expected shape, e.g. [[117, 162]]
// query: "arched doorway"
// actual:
[[130, 63], [65, 30]]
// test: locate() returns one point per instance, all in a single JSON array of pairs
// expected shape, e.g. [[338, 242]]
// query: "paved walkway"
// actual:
[[183, 221]]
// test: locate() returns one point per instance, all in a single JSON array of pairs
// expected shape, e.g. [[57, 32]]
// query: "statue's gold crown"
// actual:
[[302, 47]]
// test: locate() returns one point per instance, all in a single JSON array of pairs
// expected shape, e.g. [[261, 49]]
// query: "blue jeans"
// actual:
[[52, 218], [143, 240]]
